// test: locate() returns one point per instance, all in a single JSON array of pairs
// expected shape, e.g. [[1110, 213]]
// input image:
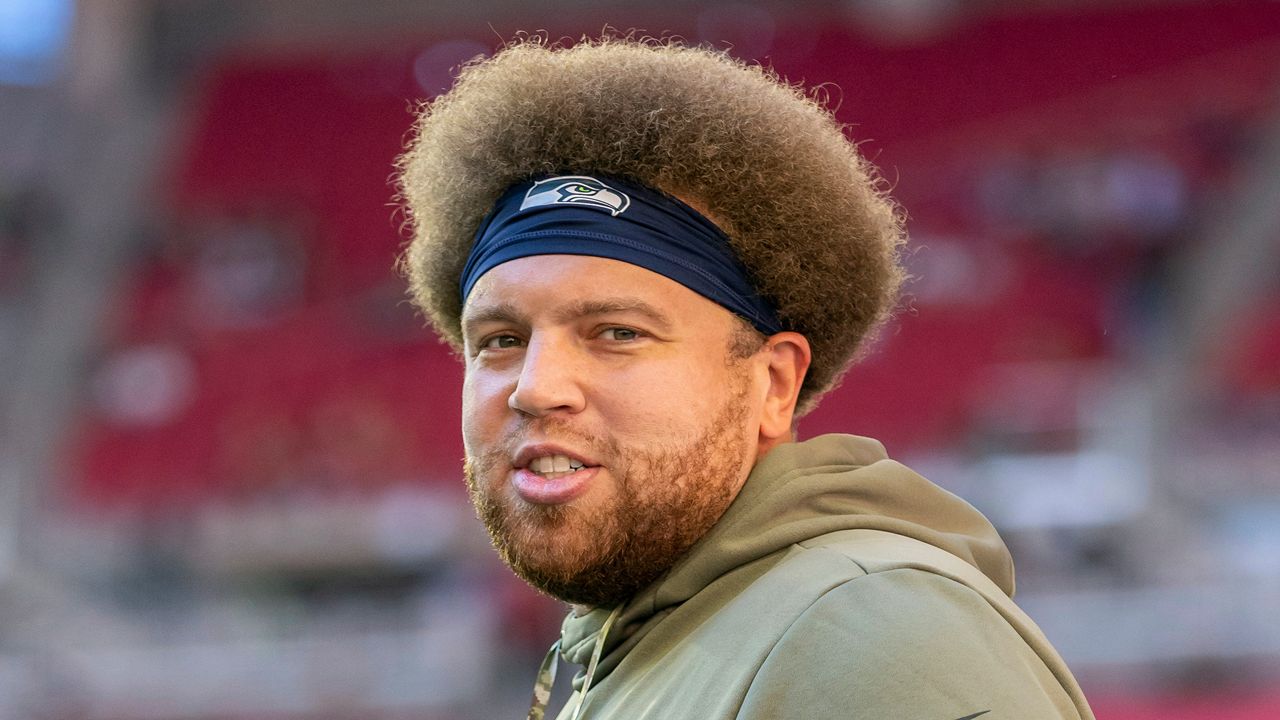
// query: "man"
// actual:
[[654, 259]]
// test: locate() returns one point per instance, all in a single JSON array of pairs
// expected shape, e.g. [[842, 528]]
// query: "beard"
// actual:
[[665, 498]]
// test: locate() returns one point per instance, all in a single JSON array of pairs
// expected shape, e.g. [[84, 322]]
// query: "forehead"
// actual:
[[540, 284]]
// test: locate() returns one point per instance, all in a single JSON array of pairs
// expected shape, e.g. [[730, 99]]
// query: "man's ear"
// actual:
[[787, 355]]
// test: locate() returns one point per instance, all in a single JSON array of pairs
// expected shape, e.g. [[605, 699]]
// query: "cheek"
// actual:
[[671, 400], [484, 408]]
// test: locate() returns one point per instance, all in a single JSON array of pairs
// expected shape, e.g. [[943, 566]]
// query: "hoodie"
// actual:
[[838, 584]]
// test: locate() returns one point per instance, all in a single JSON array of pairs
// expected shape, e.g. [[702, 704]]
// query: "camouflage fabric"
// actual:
[[546, 680]]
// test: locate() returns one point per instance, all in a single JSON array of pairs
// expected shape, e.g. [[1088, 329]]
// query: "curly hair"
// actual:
[[806, 214]]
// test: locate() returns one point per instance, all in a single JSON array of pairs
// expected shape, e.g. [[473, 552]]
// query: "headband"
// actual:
[[620, 220]]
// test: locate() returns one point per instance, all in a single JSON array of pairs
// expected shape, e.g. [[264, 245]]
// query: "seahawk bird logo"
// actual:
[[575, 190]]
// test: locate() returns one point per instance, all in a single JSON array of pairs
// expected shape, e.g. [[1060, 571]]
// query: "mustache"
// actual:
[[604, 448], [553, 429]]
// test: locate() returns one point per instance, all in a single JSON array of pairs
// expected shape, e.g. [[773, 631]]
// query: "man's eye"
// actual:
[[499, 342], [620, 334]]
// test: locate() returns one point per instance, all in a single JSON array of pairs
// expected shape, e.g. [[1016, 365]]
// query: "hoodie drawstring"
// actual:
[[546, 680], [595, 659], [547, 673]]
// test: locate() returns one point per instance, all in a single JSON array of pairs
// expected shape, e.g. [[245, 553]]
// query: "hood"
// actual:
[[797, 492]]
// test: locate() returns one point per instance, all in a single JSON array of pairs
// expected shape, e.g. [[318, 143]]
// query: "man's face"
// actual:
[[606, 423]]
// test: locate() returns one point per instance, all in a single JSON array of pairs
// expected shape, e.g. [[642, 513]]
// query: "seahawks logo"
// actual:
[[575, 190]]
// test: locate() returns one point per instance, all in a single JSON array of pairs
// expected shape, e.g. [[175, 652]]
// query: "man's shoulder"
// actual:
[[873, 566], [846, 617], [857, 570], [877, 551], [905, 609], [848, 570], [829, 560]]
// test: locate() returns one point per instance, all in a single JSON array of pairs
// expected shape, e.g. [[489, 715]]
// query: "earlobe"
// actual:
[[788, 356]]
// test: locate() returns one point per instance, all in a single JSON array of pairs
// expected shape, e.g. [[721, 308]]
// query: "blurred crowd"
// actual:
[[261, 481]]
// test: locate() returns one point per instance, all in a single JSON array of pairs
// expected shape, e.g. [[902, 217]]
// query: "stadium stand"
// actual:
[[266, 396], [293, 150]]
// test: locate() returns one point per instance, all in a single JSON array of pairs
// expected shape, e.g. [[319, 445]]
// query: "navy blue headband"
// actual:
[[619, 220]]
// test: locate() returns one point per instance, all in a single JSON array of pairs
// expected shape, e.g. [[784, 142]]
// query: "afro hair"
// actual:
[[806, 214]]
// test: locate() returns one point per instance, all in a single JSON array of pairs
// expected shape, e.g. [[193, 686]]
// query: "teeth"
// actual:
[[554, 465]]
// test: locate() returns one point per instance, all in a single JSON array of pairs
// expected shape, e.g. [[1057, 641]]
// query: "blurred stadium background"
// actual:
[[229, 456]]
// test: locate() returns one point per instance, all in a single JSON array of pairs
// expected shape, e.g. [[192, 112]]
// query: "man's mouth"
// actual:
[[555, 466], [549, 475]]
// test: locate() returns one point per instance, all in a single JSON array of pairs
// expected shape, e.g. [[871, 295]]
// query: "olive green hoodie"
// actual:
[[838, 584]]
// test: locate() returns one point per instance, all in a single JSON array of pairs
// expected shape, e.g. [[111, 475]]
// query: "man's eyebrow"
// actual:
[[506, 312], [609, 306], [500, 312]]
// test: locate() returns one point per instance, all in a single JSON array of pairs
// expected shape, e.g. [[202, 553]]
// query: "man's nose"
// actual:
[[550, 379]]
